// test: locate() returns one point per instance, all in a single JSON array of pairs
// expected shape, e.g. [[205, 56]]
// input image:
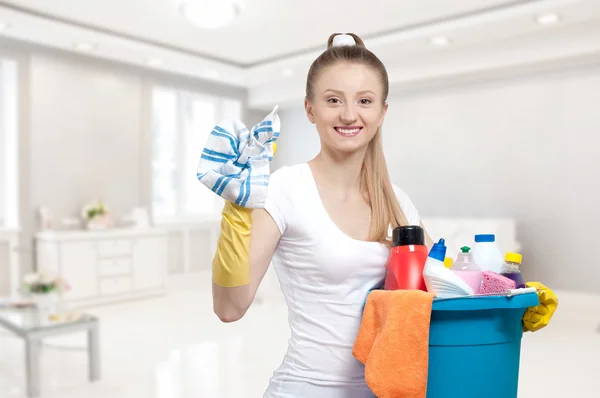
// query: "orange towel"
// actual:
[[393, 342]]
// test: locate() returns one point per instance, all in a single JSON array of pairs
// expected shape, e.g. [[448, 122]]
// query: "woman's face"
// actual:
[[348, 106]]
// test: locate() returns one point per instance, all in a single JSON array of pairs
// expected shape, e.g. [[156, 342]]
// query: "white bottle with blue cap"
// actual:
[[439, 280], [486, 253]]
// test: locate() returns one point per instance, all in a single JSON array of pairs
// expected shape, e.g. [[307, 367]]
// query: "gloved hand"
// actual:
[[231, 264], [538, 317]]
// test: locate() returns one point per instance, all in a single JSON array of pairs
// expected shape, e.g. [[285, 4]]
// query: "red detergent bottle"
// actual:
[[407, 260]]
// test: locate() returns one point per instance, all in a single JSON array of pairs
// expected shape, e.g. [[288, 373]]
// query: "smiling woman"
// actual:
[[325, 226]]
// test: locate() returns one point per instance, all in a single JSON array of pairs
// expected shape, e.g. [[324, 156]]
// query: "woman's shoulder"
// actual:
[[286, 181], [407, 205]]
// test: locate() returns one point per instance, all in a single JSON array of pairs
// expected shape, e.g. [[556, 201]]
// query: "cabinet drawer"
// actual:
[[113, 248], [114, 266], [116, 285]]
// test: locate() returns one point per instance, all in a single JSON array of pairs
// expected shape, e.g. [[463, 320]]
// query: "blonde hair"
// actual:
[[375, 179]]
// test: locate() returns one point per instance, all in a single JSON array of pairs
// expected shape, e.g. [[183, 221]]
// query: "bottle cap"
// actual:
[[465, 249], [485, 238], [448, 262], [408, 235], [438, 251], [513, 258]]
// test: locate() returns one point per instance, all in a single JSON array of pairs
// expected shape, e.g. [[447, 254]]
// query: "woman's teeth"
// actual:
[[348, 132]]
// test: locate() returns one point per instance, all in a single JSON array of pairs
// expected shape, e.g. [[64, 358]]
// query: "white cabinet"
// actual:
[[105, 266]]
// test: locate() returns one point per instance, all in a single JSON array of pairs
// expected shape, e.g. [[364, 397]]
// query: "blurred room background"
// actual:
[[493, 127]]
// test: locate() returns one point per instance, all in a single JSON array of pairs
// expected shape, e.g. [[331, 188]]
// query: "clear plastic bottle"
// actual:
[[467, 270], [511, 269]]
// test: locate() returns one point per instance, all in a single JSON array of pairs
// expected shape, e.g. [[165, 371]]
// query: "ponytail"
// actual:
[[375, 180]]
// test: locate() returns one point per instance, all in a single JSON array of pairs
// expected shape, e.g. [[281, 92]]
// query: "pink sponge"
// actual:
[[492, 282]]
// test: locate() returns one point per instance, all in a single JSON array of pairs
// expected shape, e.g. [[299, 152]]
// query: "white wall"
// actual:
[[86, 126], [525, 147]]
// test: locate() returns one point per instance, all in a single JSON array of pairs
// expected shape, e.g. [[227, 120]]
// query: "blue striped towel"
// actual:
[[235, 162]]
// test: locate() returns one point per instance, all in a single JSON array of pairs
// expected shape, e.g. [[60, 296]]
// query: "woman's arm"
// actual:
[[231, 303]]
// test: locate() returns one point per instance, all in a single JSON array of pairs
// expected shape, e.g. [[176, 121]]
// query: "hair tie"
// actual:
[[343, 40]]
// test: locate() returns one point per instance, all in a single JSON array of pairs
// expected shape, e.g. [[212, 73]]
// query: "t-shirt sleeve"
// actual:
[[279, 197], [408, 207]]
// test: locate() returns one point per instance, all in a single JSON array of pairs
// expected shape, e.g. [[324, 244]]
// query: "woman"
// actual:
[[325, 227]]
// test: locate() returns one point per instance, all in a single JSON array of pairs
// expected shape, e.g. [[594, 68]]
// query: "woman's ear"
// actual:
[[383, 113], [309, 110]]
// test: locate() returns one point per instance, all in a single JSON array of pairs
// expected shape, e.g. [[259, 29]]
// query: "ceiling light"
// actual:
[[2, 26], [83, 46], [154, 61], [439, 41], [211, 14], [548, 19]]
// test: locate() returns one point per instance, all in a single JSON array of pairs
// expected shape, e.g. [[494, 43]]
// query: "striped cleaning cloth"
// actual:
[[235, 161]]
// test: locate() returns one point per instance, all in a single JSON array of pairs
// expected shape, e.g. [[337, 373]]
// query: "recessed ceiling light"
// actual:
[[439, 41], [548, 19], [287, 72], [154, 61], [83, 46]]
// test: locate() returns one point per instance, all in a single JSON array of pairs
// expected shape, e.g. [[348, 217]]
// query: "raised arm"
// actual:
[[246, 245], [235, 165]]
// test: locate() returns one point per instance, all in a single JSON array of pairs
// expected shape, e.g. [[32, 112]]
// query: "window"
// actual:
[[181, 123], [9, 209]]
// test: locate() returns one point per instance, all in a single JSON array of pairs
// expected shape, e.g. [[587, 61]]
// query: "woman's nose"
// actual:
[[348, 114]]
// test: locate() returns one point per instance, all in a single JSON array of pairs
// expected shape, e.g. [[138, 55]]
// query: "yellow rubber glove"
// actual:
[[231, 264], [538, 317]]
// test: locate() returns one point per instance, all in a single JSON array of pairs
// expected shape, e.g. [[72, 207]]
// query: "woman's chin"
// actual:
[[349, 146]]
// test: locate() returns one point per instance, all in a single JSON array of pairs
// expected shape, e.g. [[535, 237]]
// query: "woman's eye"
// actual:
[[365, 101], [333, 101]]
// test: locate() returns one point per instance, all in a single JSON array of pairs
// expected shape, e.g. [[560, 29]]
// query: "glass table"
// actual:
[[33, 325]]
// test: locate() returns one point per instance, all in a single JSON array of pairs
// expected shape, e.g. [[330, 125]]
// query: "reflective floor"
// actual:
[[174, 347]]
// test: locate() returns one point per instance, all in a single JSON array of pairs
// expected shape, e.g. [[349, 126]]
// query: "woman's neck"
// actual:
[[338, 171]]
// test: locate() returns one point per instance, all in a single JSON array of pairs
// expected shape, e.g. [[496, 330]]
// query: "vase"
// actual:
[[99, 223], [46, 303]]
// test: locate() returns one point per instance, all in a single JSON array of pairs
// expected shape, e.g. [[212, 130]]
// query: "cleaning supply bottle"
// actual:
[[511, 270], [486, 254], [440, 280], [407, 259], [467, 270]]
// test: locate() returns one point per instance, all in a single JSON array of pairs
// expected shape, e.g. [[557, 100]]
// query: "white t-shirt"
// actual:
[[325, 276]]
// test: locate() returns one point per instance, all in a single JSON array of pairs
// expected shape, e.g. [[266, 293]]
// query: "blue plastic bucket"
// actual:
[[475, 346]]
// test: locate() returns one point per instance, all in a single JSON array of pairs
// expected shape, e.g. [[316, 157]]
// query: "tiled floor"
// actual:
[[174, 347]]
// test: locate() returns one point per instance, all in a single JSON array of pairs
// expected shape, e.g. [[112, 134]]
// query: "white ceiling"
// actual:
[[269, 49], [266, 29]]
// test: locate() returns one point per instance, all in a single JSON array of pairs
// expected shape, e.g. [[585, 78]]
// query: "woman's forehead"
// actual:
[[349, 78]]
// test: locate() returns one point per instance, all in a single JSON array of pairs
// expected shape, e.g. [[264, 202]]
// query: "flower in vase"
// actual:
[[43, 282], [93, 210], [96, 216]]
